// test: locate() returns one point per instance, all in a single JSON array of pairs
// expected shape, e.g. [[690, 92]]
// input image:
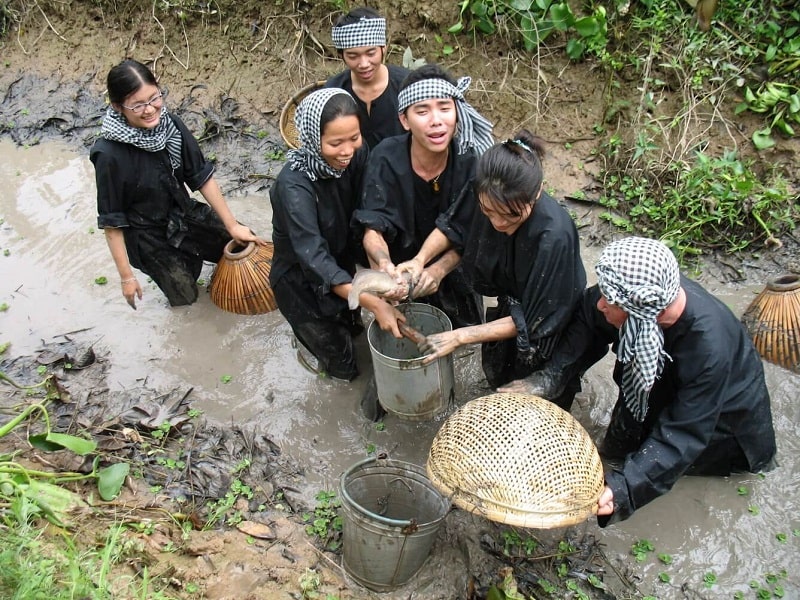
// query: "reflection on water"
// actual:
[[55, 253]]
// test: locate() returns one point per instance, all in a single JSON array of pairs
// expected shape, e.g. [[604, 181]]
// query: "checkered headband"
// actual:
[[364, 32], [474, 131], [308, 157], [642, 277]]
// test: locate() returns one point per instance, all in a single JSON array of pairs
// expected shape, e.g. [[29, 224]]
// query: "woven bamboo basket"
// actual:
[[240, 283], [517, 459], [288, 130], [773, 321]]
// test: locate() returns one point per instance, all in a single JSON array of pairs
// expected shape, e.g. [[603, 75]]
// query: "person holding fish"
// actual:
[[316, 251], [411, 180], [144, 161], [692, 396], [519, 245], [360, 39]]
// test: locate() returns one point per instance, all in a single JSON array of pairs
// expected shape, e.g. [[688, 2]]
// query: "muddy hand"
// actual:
[[411, 270], [545, 384], [438, 345]]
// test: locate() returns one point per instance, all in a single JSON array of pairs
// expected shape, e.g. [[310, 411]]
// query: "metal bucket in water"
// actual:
[[407, 388], [391, 515]]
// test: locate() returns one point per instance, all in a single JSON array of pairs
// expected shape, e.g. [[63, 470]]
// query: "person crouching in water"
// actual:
[[315, 249], [692, 395], [521, 246], [143, 161]]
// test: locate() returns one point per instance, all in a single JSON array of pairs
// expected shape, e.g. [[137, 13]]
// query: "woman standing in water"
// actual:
[[144, 160], [315, 250], [520, 246]]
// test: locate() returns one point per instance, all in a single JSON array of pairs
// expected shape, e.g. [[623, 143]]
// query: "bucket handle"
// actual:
[[407, 524]]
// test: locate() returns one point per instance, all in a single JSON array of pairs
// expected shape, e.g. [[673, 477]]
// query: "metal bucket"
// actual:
[[407, 388], [391, 515]]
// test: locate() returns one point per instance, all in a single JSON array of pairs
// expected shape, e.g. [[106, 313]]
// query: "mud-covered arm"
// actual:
[[213, 195]]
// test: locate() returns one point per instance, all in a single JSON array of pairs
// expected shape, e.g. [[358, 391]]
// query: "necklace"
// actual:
[[435, 183]]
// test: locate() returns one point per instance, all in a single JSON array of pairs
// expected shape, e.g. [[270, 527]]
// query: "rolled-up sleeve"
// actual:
[[110, 204]]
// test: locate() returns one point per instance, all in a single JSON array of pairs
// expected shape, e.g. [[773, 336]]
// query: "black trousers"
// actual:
[[324, 325], [175, 269]]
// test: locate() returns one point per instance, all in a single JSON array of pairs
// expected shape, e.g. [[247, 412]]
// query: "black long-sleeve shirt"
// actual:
[[381, 121], [711, 391], [311, 225]]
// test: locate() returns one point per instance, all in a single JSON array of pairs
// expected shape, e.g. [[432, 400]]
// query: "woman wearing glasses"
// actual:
[[144, 161]]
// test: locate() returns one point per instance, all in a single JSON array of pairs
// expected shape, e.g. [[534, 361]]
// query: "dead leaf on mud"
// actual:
[[256, 530]]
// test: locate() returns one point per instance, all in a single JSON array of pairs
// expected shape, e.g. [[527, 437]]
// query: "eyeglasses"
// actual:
[[155, 102]]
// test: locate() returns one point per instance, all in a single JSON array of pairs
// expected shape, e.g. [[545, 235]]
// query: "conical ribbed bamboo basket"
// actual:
[[773, 321], [240, 283]]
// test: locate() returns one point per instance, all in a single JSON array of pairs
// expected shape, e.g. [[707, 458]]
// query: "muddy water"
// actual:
[[55, 253]]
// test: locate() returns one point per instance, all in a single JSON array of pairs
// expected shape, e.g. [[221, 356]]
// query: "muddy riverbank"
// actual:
[[241, 373]]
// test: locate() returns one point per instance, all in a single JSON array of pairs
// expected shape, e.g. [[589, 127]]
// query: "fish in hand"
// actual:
[[371, 281]]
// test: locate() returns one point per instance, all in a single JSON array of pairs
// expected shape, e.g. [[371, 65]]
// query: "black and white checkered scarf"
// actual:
[[308, 157], [473, 131], [164, 135], [642, 277], [364, 32]]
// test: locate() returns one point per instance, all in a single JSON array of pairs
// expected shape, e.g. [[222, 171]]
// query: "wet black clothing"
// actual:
[[167, 233], [315, 250], [536, 273], [404, 208], [708, 412], [381, 121]]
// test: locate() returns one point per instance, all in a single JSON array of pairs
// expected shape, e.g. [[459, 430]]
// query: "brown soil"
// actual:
[[231, 74]]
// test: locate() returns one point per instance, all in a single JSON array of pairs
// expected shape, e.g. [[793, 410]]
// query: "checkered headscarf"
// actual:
[[164, 135], [473, 131], [642, 277], [364, 32], [308, 157]]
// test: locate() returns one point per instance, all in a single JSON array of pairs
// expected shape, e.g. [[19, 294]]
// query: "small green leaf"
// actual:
[[575, 49], [763, 139], [587, 26], [110, 480], [562, 16], [521, 5]]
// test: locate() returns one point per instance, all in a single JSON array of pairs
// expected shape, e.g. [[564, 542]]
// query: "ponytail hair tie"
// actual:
[[521, 144]]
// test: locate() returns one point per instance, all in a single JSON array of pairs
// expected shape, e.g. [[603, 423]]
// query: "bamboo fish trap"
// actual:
[[517, 459], [288, 130], [773, 321], [240, 283]]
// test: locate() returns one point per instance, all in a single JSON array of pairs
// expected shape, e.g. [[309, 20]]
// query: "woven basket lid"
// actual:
[[288, 130], [517, 459]]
